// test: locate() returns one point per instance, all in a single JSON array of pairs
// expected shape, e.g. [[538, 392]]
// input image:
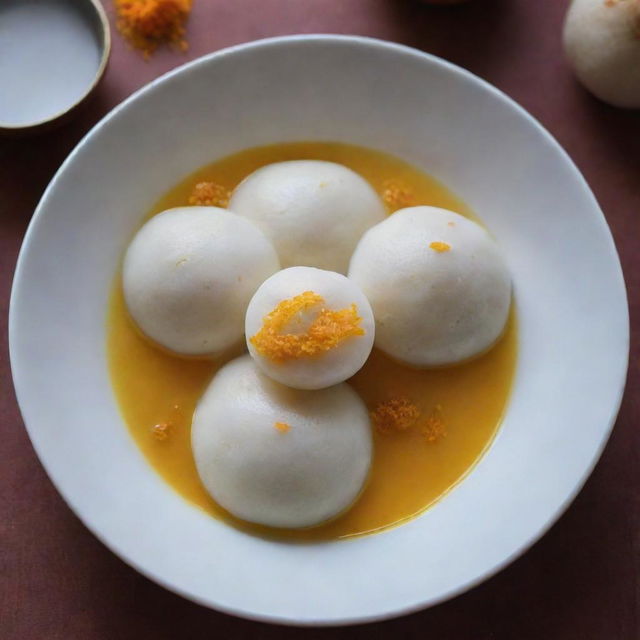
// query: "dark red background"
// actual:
[[580, 582]]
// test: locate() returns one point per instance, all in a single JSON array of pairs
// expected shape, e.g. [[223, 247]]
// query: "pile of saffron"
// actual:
[[147, 24]]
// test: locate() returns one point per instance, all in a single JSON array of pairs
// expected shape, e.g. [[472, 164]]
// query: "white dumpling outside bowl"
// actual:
[[602, 43]]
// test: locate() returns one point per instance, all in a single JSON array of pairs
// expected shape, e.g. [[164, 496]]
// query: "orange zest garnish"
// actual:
[[400, 414], [397, 414], [146, 24], [209, 194], [440, 247], [326, 331], [433, 428], [282, 427], [397, 195]]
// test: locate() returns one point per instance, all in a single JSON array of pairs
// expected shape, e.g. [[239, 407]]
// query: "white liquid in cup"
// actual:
[[50, 52]]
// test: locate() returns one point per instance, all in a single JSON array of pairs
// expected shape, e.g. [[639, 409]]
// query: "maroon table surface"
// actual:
[[581, 581]]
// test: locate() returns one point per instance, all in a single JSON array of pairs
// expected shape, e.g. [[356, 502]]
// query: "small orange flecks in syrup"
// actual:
[[209, 194]]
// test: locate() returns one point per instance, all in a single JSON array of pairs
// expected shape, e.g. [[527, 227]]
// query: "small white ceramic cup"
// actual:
[[57, 52]]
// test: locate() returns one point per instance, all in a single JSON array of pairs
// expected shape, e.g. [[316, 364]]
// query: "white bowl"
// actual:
[[568, 285]]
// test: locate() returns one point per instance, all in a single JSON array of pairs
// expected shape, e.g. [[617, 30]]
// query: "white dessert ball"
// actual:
[[308, 328], [278, 456], [602, 43], [189, 274], [314, 212], [438, 286]]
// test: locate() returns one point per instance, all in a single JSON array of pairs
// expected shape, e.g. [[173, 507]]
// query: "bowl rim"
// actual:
[[104, 32], [20, 387]]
